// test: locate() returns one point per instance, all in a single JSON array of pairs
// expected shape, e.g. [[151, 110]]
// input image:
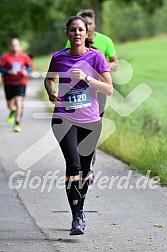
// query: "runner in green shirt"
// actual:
[[102, 42]]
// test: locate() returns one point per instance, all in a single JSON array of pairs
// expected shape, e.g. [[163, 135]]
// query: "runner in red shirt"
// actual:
[[15, 65]]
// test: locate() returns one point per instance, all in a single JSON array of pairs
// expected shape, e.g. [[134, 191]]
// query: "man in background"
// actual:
[[14, 66]]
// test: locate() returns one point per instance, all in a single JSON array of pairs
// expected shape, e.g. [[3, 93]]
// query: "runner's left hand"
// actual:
[[24, 72]]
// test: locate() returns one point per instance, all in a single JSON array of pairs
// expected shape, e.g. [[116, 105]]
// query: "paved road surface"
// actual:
[[36, 217]]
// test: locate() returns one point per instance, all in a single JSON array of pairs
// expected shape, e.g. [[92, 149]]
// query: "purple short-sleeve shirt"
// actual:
[[79, 101]]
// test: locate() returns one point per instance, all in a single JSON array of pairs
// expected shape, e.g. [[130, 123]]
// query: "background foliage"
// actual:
[[41, 23]]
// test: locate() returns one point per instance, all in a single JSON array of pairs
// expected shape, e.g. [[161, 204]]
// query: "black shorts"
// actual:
[[13, 91]]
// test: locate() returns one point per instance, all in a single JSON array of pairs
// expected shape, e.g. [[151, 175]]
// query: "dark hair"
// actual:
[[87, 13], [88, 41]]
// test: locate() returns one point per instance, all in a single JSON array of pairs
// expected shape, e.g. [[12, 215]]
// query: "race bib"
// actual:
[[17, 66], [77, 98]]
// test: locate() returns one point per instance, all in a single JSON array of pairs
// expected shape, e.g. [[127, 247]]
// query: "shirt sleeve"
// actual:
[[52, 70], [102, 64], [52, 65], [68, 44], [110, 48], [28, 61], [3, 70], [3, 61]]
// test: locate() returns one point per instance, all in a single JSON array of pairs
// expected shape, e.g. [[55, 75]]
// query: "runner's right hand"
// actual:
[[13, 71], [54, 98]]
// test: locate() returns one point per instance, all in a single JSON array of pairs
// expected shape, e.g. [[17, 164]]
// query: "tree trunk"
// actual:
[[96, 5]]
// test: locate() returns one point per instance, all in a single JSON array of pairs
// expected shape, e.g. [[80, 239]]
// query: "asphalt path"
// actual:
[[125, 210]]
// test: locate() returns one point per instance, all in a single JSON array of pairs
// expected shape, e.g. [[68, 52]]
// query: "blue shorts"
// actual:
[[12, 91]]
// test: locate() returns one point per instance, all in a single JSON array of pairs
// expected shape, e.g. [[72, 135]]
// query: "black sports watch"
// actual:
[[88, 78]]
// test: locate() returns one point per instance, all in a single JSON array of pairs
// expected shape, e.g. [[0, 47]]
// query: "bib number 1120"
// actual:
[[77, 98]]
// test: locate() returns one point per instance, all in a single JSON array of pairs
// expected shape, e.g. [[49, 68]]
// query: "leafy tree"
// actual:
[[14, 21], [42, 22], [148, 5]]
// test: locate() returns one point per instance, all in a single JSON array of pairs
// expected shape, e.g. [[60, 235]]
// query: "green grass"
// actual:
[[41, 63], [141, 138]]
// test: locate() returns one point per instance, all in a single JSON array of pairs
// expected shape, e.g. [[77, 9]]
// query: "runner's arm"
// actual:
[[4, 70], [28, 68], [104, 85], [113, 62], [49, 86]]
